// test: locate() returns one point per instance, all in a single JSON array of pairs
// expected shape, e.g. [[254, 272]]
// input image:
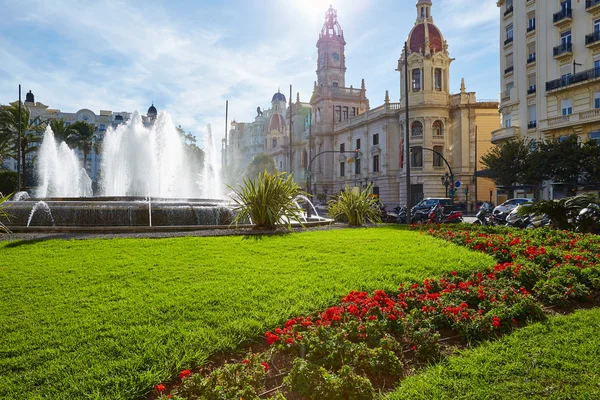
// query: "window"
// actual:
[[357, 144], [597, 26], [532, 115], [354, 111], [345, 113], [342, 169], [437, 79], [375, 139], [357, 166], [102, 127], [342, 147], [509, 33], [595, 136], [335, 84], [531, 52], [509, 63], [566, 106], [562, 139], [509, 3], [531, 21], [509, 86], [437, 159], [565, 5], [417, 129], [438, 128], [565, 38], [338, 113], [416, 81], [596, 64], [376, 163], [416, 157], [280, 164], [507, 120], [596, 99], [274, 142]]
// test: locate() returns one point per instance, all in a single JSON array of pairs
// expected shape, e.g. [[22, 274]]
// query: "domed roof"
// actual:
[[278, 97], [152, 110], [416, 39], [277, 123]]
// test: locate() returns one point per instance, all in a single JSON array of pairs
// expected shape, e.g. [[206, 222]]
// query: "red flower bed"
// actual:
[[369, 338]]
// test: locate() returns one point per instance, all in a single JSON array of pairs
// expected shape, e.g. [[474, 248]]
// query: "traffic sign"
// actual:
[[457, 184]]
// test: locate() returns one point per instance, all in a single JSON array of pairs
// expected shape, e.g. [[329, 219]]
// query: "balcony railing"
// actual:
[[531, 58], [592, 38], [532, 89], [571, 79], [508, 10], [532, 124], [591, 3], [563, 48], [507, 41], [509, 70], [562, 15]]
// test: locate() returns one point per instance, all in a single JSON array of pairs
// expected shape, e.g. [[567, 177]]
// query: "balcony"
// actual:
[[503, 134], [571, 120], [592, 40], [592, 5], [532, 125], [532, 89], [568, 80], [508, 11], [531, 58], [508, 41], [563, 17], [509, 70], [531, 28], [563, 50]]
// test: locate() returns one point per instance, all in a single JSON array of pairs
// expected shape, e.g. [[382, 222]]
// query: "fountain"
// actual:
[[147, 182]]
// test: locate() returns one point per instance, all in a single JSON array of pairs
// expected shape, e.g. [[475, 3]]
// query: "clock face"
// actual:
[[335, 56]]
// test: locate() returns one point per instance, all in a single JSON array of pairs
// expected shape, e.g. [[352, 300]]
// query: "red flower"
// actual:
[[372, 317], [454, 273], [392, 317], [514, 321], [246, 361], [159, 388], [184, 373], [289, 340], [271, 338], [496, 322], [265, 365], [413, 348]]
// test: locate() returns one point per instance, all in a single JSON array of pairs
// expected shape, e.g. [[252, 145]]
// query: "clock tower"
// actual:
[[331, 63]]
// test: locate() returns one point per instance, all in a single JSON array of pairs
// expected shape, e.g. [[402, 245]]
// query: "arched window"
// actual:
[[416, 129], [438, 79], [438, 128]]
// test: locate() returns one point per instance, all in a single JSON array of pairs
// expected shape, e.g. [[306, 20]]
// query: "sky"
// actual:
[[189, 56]]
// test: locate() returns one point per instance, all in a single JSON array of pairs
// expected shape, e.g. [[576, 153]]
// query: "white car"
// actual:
[[509, 205]]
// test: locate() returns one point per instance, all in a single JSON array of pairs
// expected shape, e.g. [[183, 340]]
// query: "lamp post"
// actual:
[[19, 146]]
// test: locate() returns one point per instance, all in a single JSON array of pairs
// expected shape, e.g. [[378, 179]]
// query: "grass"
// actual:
[[557, 359], [111, 318]]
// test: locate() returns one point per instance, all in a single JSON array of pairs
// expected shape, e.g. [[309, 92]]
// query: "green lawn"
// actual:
[[557, 359], [111, 318]]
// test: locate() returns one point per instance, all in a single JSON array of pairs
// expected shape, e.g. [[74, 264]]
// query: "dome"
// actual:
[[152, 110], [416, 39], [276, 122], [278, 97]]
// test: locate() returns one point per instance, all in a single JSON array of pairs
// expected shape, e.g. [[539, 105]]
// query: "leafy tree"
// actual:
[[83, 138], [260, 163], [60, 129], [506, 163], [30, 133], [591, 163], [565, 159]]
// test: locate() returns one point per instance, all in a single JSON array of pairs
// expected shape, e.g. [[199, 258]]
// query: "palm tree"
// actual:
[[30, 133], [83, 138], [60, 129]]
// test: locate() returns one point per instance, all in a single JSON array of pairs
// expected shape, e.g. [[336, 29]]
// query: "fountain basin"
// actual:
[[119, 211]]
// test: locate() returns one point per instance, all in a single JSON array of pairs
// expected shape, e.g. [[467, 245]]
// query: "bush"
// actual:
[[8, 182], [268, 201], [355, 205]]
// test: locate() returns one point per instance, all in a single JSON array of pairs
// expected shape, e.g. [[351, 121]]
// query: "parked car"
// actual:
[[509, 205], [428, 203]]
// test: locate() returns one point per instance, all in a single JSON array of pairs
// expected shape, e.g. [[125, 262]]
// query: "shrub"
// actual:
[[355, 205], [563, 213], [268, 201]]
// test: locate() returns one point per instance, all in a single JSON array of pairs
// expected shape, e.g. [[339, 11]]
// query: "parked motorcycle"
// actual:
[[588, 219], [437, 215], [420, 215], [516, 220], [539, 221], [484, 214], [499, 217], [400, 214]]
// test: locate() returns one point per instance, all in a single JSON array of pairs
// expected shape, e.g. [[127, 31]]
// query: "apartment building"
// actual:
[[550, 69]]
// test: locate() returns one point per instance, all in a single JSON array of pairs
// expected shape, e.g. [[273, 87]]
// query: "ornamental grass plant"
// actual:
[[4, 215], [355, 205], [268, 201]]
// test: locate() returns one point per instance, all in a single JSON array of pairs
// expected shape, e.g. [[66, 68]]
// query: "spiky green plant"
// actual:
[[561, 212], [358, 206], [268, 201], [4, 215]]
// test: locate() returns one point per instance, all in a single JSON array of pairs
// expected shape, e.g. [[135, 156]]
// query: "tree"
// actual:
[[591, 162], [60, 129], [564, 159], [30, 133], [194, 154], [83, 138], [506, 163], [260, 163]]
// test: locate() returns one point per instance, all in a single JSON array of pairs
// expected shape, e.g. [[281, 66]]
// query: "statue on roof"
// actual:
[[259, 113]]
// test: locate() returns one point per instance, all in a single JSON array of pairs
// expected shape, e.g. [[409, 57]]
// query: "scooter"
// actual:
[[483, 216], [437, 215], [400, 214], [588, 219], [499, 218], [420, 215], [516, 220]]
